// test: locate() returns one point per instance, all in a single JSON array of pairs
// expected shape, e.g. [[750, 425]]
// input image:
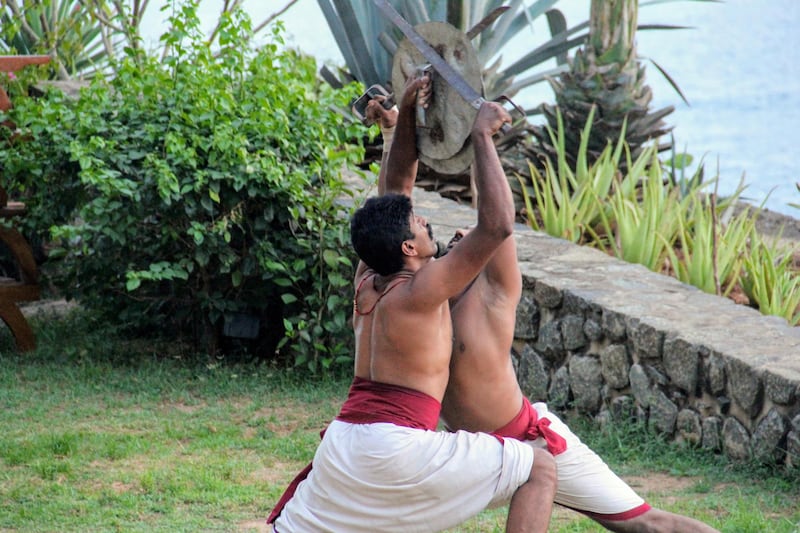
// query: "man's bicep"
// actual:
[[446, 277]]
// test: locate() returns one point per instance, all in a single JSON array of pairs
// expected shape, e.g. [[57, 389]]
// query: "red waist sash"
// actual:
[[370, 402], [528, 426]]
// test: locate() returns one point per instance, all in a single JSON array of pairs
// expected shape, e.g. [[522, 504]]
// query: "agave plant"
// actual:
[[771, 280], [368, 42], [605, 72]]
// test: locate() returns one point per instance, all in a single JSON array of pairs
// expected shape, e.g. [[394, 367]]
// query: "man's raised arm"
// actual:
[[446, 277], [399, 128], [495, 202]]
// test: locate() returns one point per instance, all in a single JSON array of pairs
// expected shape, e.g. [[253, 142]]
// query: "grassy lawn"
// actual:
[[101, 435]]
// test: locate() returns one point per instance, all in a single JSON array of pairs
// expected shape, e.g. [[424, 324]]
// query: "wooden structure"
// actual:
[[24, 287]]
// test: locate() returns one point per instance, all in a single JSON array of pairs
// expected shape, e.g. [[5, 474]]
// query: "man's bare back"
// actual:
[[396, 343]]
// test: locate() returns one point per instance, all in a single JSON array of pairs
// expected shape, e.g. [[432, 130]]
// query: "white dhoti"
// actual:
[[385, 477], [585, 482]]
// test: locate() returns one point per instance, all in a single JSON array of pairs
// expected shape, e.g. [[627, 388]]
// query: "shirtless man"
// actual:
[[483, 394], [380, 465]]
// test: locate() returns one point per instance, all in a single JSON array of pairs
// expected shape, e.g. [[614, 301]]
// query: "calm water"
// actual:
[[736, 68]]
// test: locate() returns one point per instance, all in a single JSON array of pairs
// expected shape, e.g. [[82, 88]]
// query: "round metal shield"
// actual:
[[449, 118]]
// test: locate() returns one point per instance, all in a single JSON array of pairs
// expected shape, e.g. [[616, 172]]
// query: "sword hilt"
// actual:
[[423, 70], [505, 128]]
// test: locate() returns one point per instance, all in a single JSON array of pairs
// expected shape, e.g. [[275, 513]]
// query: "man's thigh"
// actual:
[[585, 482]]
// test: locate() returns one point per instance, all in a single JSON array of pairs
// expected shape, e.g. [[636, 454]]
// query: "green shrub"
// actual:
[[190, 190]]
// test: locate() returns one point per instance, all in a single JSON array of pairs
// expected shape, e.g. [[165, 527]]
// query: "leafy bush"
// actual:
[[187, 192]]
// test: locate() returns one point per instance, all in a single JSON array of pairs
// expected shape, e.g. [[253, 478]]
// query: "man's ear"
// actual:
[[409, 248]]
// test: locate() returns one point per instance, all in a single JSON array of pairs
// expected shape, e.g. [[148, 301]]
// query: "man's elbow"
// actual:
[[506, 232], [501, 230]]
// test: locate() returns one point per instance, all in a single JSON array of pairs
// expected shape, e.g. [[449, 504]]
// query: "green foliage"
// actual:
[[367, 39], [676, 167], [84, 37], [566, 200], [712, 246], [642, 213], [186, 190], [770, 281], [646, 219]]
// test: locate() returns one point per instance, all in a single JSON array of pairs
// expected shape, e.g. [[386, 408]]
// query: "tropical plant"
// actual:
[[187, 194], [644, 223], [675, 167], [566, 203], [770, 280], [712, 242], [605, 72], [641, 212], [65, 30], [368, 42]]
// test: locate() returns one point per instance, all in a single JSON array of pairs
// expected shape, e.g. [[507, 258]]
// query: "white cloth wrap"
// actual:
[[383, 477], [388, 137], [585, 482]]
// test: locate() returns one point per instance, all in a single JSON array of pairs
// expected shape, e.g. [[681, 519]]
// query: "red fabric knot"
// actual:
[[528, 426], [541, 428]]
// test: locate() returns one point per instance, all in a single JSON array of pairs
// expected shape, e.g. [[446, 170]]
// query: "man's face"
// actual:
[[423, 231]]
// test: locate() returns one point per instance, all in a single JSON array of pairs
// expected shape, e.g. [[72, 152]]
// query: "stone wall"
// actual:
[[605, 337]]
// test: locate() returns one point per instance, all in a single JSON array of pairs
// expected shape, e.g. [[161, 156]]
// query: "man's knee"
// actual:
[[544, 468]]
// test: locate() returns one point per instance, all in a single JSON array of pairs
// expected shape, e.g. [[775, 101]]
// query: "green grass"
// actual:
[[104, 435]]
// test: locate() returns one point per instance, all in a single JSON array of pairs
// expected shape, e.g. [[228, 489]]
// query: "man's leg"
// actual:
[[532, 503], [657, 521], [585, 483]]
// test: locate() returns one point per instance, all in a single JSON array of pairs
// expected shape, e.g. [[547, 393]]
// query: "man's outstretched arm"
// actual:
[[400, 159], [495, 202]]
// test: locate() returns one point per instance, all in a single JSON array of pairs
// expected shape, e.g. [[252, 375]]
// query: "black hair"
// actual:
[[378, 229]]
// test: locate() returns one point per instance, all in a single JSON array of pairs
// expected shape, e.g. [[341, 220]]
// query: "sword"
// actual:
[[450, 75]]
